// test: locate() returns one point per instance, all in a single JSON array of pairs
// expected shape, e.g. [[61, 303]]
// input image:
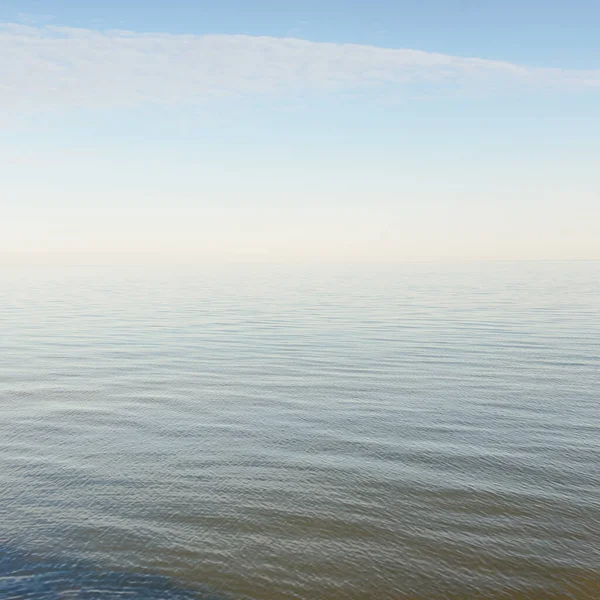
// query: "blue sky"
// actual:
[[540, 32], [329, 130]]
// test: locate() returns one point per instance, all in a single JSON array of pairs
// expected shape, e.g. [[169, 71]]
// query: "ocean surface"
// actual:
[[268, 432]]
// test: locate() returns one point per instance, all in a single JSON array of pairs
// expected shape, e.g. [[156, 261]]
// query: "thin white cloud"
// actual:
[[61, 67]]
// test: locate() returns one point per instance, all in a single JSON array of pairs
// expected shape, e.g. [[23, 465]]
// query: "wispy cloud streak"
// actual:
[[60, 67]]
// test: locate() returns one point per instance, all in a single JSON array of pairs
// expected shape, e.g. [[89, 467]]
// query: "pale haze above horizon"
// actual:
[[321, 131]]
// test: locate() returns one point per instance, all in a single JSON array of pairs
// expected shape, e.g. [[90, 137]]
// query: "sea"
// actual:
[[274, 432]]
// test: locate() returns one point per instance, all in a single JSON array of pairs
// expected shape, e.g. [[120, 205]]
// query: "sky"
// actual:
[[328, 130]]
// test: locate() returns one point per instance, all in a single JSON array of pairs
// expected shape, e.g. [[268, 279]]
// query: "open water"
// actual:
[[265, 433]]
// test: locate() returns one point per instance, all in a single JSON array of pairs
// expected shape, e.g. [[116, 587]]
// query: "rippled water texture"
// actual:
[[419, 432]]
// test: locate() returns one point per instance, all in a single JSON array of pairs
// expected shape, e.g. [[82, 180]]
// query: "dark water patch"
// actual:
[[25, 576]]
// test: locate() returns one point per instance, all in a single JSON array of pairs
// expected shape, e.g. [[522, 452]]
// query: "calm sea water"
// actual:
[[418, 432]]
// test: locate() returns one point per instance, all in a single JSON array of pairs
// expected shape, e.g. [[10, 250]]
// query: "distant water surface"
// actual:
[[412, 432]]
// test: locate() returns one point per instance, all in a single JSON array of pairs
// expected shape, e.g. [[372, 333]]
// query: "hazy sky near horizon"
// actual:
[[329, 130]]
